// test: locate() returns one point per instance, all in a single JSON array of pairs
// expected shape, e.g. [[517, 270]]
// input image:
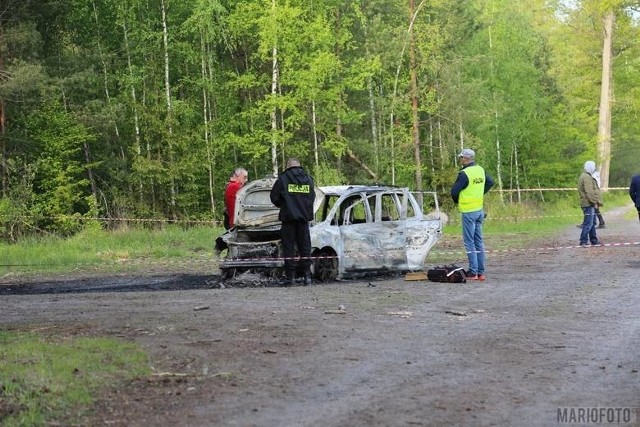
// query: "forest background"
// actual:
[[125, 110]]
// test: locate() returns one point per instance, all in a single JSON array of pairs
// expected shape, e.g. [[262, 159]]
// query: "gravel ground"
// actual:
[[554, 326]]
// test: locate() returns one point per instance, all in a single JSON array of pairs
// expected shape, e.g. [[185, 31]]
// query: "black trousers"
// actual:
[[296, 234]]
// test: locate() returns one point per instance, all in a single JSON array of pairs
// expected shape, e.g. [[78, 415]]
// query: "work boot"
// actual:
[[288, 280], [307, 279]]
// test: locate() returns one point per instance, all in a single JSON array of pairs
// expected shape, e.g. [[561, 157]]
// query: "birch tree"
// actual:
[[606, 91]]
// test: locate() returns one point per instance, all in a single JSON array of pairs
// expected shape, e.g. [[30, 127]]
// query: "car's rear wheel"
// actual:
[[325, 265]]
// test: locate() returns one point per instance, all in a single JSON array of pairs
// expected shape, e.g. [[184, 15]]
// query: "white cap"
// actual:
[[467, 153]]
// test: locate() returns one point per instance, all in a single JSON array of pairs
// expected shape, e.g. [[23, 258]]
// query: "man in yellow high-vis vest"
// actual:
[[468, 193]]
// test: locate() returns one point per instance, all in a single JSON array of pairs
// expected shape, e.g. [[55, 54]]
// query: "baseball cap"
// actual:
[[468, 153]]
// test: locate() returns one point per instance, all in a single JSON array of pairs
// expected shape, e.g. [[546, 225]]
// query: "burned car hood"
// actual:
[[253, 204]]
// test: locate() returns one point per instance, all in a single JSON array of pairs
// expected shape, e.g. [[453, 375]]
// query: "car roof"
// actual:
[[254, 207], [338, 190]]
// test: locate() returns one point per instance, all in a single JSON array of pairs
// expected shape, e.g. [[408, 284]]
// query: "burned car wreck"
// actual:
[[358, 230]]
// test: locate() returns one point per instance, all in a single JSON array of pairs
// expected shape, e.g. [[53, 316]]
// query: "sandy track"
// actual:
[[550, 328]]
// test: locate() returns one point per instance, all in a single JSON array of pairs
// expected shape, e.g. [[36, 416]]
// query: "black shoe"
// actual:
[[287, 281], [584, 245], [307, 280], [601, 226], [597, 243]]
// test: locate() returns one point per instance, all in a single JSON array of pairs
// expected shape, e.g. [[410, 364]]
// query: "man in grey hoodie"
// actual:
[[590, 200]]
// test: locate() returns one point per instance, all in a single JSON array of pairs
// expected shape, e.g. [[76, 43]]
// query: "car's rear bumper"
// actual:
[[251, 263]]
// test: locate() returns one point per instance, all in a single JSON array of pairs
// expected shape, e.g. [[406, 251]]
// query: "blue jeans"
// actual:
[[588, 233], [473, 243]]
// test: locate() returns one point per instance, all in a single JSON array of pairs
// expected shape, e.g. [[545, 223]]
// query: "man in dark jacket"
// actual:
[[293, 192], [634, 192]]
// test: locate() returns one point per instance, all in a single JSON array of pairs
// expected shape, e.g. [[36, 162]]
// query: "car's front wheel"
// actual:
[[325, 265]]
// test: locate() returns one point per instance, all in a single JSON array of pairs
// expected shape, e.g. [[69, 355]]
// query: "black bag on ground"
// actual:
[[447, 274]]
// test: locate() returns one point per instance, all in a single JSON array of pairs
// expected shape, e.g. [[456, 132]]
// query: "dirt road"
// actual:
[[553, 327]]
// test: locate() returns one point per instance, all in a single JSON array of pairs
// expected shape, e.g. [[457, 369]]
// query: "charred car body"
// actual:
[[358, 229]]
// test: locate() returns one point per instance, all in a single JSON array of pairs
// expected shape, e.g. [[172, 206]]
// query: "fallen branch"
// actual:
[[169, 374], [355, 159]]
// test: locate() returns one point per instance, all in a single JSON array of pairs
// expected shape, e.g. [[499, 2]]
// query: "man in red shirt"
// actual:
[[236, 181]]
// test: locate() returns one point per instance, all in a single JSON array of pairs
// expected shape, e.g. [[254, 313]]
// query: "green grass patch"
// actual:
[[45, 380], [100, 250]]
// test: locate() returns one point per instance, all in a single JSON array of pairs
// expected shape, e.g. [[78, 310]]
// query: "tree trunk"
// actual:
[[134, 103], [92, 182], [372, 104], [212, 115], [167, 86], [441, 144], [274, 89], [415, 130], [3, 151], [498, 153], [105, 74], [4, 172], [136, 117], [315, 134], [392, 119], [205, 118], [496, 124], [374, 124], [431, 152], [606, 90], [516, 172]]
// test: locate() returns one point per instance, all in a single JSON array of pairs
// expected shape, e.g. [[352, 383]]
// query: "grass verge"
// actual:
[[51, 381], [96, 250]]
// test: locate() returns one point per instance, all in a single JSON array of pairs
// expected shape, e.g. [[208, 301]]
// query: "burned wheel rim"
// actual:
[[228, 273], [325, 266]]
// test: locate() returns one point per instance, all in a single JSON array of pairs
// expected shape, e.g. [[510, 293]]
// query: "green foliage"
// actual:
[[16, 217], [324, 175], [60, 181], [109, 123]]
